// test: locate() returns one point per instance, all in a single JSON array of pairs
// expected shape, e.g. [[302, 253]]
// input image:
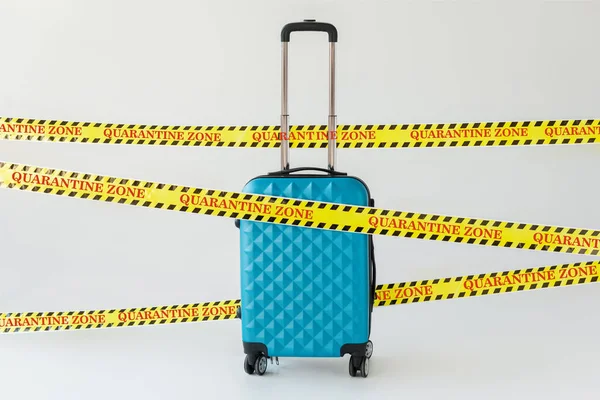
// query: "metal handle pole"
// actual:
[[331, 123], [285, 125]]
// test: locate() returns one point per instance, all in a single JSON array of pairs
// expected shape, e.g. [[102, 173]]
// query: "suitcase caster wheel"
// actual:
[[260, 365], [369, 349], [364, 367], [351, 368], [248, 368]]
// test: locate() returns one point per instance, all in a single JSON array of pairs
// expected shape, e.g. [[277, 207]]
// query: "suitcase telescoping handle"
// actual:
[[308, 25]]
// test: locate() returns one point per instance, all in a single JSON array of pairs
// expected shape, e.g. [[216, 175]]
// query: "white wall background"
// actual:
[[209, 62]]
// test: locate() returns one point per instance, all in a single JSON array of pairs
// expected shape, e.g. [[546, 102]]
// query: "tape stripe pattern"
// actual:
[[387, 295], [365, 136], [304, 213]]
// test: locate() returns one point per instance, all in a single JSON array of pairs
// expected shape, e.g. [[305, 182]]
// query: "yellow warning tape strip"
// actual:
[[297, 212], [387, 295], [73, 320], [468, 134], [486, 284]]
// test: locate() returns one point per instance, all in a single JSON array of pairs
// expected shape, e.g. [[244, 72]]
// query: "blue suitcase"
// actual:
[[306, 292]]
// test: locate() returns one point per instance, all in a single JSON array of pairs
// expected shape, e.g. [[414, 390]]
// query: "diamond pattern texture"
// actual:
[[305, 292]]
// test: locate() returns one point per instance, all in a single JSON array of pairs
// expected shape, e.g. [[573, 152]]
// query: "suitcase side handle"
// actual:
[[373, 273], [308, 25]]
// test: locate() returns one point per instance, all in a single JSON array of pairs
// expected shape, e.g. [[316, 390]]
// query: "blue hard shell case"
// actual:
[[306, 292]]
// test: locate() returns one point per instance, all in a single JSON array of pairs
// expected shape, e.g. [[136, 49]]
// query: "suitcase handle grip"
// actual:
[[309, 25], [289, 171]]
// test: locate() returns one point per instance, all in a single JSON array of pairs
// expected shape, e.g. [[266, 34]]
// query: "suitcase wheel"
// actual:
[[259, 366], [358, 363], [351, 368], [361, 363], [249, 368], [369, 350]]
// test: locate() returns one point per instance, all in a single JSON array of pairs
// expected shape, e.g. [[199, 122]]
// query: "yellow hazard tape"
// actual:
[[73, 320], [387, 295], [468, 134], [297, 212], [486, 284]]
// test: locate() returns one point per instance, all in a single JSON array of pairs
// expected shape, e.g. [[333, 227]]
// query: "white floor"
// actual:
[[540, 344]]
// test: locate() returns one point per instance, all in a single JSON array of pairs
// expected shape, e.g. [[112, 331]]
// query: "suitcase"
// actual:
[[306, 292]]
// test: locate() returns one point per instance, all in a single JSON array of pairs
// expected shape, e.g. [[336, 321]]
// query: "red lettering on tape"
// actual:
[[271, 136], [553, 131], [293, 212], [383, 295], [577, 272], [124, 191], [509, 280], [410, 292], [62, 183], [214, 311], [483, 233], [227, 204], [204, 136], [357, 135], [511, 132], [88, 319], [148, 315], [22, 129], [428, 134], [565, 240], [60, 130], [152, 134], [14, 322], [415, 226]]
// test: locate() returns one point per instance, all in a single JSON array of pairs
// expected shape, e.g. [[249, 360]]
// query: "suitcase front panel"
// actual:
[[304, 292]]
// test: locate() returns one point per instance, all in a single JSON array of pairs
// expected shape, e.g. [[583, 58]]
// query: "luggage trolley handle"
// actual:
[[308, 25]]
